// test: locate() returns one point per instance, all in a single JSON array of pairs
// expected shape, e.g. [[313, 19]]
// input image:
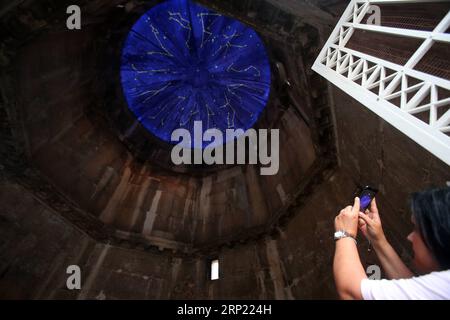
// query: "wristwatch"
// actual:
[[343, 234]]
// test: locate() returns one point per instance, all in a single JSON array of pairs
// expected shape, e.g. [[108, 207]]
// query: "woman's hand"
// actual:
[[347, 219], [370, 224]]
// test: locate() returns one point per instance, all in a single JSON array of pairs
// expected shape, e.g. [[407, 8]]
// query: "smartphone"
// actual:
[[365, 196]]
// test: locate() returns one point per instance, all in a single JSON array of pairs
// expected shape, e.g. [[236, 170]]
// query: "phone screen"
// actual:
[[366, 196], [365, 202]]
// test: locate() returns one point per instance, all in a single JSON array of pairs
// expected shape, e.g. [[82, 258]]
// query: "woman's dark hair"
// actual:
[[431, 211]]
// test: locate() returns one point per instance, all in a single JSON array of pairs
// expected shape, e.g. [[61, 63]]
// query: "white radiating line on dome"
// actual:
[[148, 71], [232, 36], [231, 68], [162, 122], [228, 104], [231, 88], [191, 114], [184, 23], [209, 113], [154, 92], [181, 21], [206, 29], [181, 99], [229, 45], [165, 52]]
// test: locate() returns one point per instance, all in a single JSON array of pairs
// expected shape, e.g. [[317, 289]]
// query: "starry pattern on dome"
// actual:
[[182, 62]]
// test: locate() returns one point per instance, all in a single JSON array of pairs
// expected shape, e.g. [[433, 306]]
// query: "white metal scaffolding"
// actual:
[[375, 82]]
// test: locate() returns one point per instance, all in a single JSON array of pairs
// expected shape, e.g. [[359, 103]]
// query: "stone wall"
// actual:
[[38, 245]]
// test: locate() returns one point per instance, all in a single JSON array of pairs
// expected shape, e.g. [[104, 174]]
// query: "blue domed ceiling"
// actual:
[[182, 62]]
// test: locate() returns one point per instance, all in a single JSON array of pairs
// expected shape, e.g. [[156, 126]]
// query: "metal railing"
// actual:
[[376, 83]]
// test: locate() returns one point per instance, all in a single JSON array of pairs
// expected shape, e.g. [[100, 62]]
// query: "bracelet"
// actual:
[[343, 234]]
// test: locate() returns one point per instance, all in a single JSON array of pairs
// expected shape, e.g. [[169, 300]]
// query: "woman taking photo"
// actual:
[[430, 241]]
